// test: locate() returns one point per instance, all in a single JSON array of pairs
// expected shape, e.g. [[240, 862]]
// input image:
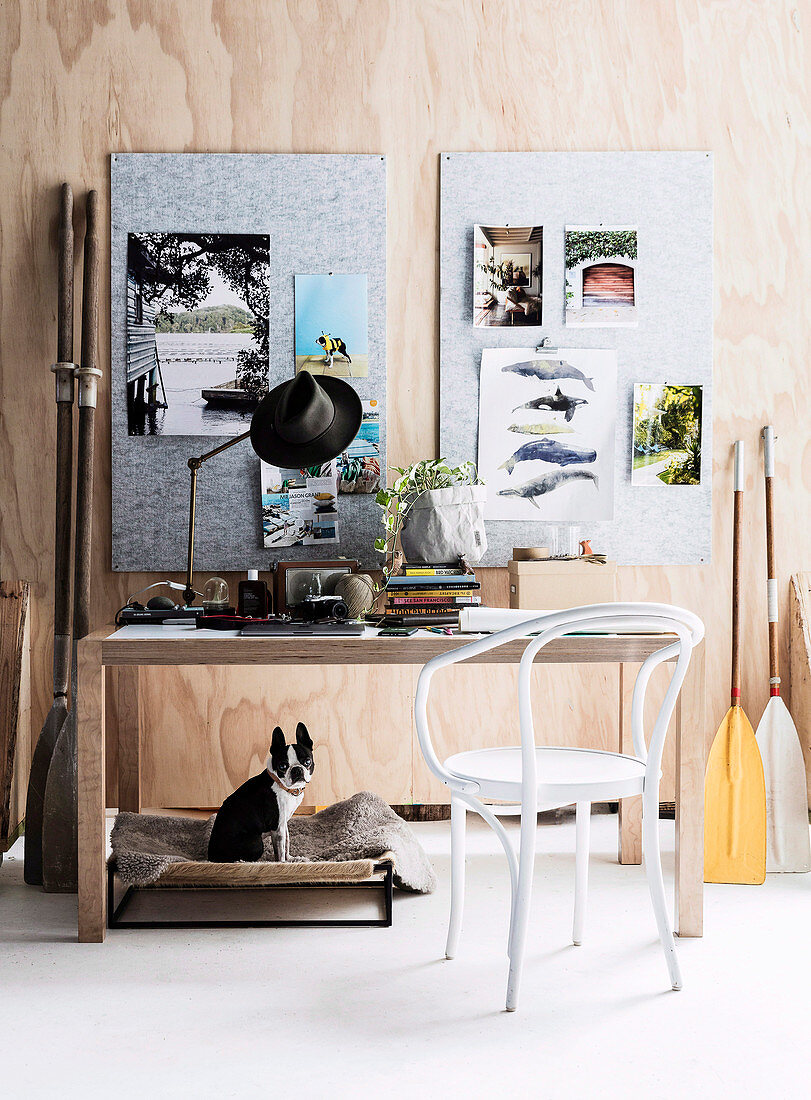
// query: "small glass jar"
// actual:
[[215, 594], [565, 540]]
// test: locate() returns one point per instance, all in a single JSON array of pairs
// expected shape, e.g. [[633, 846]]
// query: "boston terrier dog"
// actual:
[[264, 804]]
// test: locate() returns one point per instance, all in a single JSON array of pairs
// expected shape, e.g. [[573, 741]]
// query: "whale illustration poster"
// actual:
[[546, 433]]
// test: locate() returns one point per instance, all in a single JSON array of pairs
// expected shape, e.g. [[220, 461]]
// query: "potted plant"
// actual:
[[499, 276], [436, 510]]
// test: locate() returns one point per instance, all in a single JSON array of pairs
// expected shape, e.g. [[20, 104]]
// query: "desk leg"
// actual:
[[630, 809], [129, 739], [690, 763], [92, 823]]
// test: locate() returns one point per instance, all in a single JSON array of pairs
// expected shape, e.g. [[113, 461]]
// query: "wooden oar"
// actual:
[[59, 833], [63, 370], [787, 837], [734, 790]]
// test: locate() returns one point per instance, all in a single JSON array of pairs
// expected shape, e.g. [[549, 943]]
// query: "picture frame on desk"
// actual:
[[294, 580]]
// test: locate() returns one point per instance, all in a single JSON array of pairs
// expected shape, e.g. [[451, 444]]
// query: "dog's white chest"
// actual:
[[288, 803]]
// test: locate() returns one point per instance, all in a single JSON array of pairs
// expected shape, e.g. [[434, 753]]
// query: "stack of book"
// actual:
[[429, 595]]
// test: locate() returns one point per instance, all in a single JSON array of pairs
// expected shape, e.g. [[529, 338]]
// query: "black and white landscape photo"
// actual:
[[197, 331]]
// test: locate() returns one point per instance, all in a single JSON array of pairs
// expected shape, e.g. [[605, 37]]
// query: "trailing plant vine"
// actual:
[[414, 480]]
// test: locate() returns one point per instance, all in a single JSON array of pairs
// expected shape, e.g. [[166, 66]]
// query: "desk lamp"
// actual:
[[303, 422]]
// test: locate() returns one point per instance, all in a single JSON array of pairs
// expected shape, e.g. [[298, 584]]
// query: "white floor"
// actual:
[[367, 1012]]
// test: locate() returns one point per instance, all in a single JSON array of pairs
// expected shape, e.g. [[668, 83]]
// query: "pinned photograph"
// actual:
[[298, 509], [601, 275], [546, 434], [667, 435], [332, 325], [507, 276], [359, 465], [197, 331]]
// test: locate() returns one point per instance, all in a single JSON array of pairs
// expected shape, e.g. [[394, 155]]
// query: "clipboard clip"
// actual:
[[545, 348]]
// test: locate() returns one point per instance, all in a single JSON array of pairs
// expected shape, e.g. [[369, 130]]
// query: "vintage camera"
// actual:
[[315, 608]]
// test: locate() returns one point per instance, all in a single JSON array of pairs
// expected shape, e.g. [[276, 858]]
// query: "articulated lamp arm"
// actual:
[[194, 465]]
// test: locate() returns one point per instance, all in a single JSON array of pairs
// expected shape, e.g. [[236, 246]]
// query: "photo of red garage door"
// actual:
[[608, 285]]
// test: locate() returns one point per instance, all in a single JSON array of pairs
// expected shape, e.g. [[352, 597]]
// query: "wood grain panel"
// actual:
[[206, 730], [80, 80], [92, 821], [15, 709]]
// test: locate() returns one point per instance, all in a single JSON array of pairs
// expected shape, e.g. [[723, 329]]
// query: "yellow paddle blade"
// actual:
[[735, 805]]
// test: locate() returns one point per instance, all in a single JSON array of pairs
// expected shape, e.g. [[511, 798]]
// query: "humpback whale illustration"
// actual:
[[547, 484], [547, 369], [547, 450]]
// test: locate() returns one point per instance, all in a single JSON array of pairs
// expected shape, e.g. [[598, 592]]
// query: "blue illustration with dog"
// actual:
[[332, 325]]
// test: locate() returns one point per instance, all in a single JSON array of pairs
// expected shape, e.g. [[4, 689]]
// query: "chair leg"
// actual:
[[518, 932], [458, 823], [581, 876], [653, 869]]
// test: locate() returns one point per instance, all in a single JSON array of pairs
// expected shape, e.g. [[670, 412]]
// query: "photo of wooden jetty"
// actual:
[[197, 332]]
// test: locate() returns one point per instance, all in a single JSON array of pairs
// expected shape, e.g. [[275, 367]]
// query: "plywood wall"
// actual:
[[80, 79]]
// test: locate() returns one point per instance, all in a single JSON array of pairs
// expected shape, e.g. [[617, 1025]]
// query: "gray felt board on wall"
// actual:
[[323, 213], [668, 197]]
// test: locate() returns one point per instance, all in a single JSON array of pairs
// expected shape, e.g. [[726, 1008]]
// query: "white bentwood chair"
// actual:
[[552, 776]]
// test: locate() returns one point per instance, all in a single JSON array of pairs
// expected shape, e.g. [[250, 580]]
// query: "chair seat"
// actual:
[[564, 775]]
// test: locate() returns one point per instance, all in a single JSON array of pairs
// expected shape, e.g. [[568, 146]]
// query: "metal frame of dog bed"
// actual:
[[384, 885]]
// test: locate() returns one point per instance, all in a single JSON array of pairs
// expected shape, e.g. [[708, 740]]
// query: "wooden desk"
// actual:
[[144, 646]]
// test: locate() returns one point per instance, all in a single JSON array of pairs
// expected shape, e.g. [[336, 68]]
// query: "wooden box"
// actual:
[[552, 585]]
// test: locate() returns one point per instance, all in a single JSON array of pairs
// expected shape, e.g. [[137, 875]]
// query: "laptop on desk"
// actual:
[[302, 630]]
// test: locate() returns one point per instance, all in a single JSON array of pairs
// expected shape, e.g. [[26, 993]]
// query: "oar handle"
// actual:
[[63, 377], [87, 376], [771, 569], [64, 332], [737, 534]]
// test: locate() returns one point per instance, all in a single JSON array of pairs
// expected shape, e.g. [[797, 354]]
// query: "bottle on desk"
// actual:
[[253, 597]]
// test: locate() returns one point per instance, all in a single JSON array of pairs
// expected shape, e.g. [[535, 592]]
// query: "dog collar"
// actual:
[[295, 791]]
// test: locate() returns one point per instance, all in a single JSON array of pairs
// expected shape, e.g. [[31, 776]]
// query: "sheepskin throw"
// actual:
[[363, 827]]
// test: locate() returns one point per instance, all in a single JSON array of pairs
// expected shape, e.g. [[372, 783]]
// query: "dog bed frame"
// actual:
[[375, 876]]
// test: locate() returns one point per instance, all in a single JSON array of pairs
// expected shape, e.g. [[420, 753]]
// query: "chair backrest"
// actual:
[[626, 617]]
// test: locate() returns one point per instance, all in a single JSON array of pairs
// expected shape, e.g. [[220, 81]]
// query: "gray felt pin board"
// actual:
[[323, 213], [668, 197]]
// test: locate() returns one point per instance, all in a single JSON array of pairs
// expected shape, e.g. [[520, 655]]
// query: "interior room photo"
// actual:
[[405, 548]]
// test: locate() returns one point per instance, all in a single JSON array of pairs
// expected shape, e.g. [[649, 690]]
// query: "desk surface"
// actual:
[[186, 645]]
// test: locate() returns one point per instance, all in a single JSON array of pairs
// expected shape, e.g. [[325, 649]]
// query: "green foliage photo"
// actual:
[[597, 244], [220, 319], [667, 428]]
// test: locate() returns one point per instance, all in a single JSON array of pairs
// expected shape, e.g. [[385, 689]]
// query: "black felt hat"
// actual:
[[306, 421]]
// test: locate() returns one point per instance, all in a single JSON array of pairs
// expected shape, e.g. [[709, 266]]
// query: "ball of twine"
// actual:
[[357, 590]]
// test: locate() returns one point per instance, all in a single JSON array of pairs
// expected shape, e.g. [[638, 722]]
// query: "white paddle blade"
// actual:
[[787, 834]]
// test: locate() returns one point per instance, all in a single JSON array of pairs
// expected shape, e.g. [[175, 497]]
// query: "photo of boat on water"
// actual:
[[197, 331]]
